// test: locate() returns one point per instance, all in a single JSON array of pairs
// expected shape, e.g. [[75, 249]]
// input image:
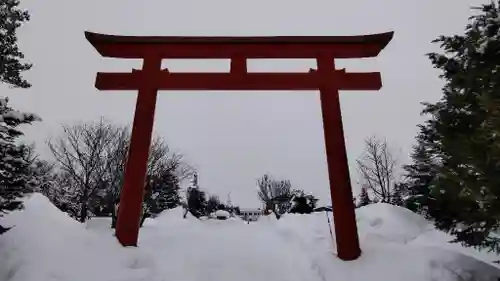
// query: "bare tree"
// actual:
[[275, 194], [160, 163], [111, 180], [377, 168], [81, 153], [93, 157], [161, 159]]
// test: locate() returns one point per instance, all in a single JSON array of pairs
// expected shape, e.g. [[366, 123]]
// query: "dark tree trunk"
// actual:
[[114, 215], [143, 218], [113, 220], [83, 213]]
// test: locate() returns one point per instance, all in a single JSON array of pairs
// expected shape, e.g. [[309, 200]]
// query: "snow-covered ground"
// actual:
[[46, 244]]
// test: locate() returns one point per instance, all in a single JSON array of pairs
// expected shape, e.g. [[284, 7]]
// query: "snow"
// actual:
[[46, 244], [19, 116], [388, 223], [99, 223], [222, 214]]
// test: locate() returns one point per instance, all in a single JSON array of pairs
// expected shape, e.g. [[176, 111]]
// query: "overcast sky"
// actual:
[[232, 138]]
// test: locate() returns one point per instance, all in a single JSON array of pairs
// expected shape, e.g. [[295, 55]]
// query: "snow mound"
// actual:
[[99, 224], [401, 245], [222, 214], [37, 206], [385, 222], [176, 214], [47, 245], [171, 216]]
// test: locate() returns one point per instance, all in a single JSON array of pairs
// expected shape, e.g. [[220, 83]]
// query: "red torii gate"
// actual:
[[326, 79]]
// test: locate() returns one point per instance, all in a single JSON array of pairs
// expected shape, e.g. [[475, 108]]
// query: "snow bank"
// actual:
[[172, 216], [388, 223], [47, 245], [385, 222], [102, 224], [396, 245], [222, 214]]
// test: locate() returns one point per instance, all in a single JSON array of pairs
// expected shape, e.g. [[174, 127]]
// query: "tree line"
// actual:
[[277, 198], [199, 204], [452, 178], [86, 174]]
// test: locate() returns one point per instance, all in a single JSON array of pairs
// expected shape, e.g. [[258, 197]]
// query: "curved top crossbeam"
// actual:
[[227, 47], [380, 38]]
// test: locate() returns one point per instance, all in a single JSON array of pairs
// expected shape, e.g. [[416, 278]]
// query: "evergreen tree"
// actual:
[[196, 202], [214, 204], [454, 175], [421, 174], [196, 199], [397, 195], [303, 203], [364, 198], [236, 210], [44, 177], [163, 193], [15, 170], [11, 18]]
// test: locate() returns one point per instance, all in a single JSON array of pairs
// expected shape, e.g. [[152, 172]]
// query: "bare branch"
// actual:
[[377, 168]]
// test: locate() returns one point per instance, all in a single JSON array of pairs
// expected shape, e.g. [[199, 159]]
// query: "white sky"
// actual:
[[232, 138]]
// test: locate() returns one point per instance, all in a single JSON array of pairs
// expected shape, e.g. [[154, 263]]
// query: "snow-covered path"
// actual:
[[220, 250]]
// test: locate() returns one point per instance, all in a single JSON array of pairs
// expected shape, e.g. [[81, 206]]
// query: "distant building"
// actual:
[[250, 214]]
